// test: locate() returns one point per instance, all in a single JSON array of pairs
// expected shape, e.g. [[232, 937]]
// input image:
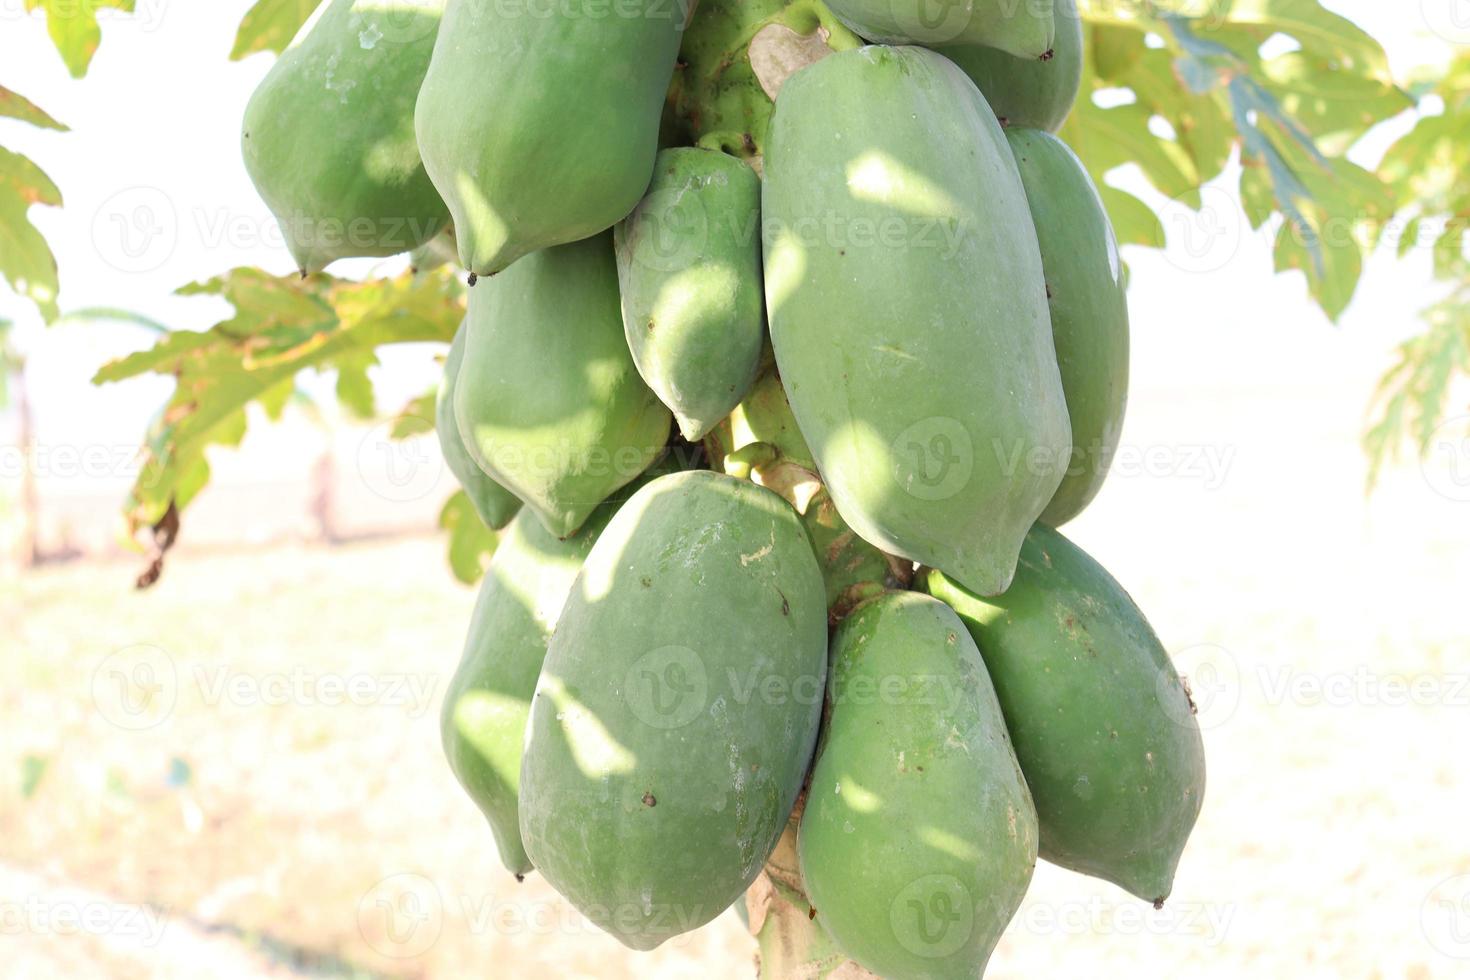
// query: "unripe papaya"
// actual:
[[1024, 29], [908, 311], [1089, 310], [495, 504], [689, 268], [548, 401], [328, 136], [1102, 724], [539, 123], [677, 708], [1030, 93], [483, 723], [919, 836]]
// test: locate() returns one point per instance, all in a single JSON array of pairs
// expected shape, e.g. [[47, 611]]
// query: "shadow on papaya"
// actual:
[[677, 708], [919, 836], [908, 310], [549, 401], [486, 706], [328, 137]]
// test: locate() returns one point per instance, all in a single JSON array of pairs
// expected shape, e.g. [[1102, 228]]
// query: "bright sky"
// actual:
[[156, 196]]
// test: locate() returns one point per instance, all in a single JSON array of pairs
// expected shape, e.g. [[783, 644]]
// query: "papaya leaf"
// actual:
[[279, 328], [74, 29], [32, 771], [270, 25], [471, 543], [26, 261], [16, 106], [417, 417], [1413, 397], [1197, 90]]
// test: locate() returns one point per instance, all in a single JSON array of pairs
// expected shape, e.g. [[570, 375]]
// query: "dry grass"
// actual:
[[265, 829]]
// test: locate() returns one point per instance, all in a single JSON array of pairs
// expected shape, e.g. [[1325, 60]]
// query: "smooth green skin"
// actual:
[[908, 310], [483, 723], [689, 271], [1024, 29], [328, 136], [539, 122], [919, 837], [1102, 724], [1030, 93], [677, 708], [549, 401], [1089, 310], [495, 504]]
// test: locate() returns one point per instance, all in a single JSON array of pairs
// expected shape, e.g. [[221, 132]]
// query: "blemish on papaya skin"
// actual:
[[649, 800]]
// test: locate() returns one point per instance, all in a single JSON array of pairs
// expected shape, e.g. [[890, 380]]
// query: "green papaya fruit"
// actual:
[[539, 124], [495, 504], [548, 401], [919, 836], [677, 708], [689, 268], [1102, 724], [1089, 310], [1023, 29], [1030, 93], [328, 137], [483, 723], [907, 308]]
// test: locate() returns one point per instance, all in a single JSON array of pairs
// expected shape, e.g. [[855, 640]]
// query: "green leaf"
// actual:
[[270, 25], [1133, 221], [354, 387], [25, 259], [32, 771], [16, 106], [417, 417], [73, 27], [1413, 396], [471, 543], [279, 328]]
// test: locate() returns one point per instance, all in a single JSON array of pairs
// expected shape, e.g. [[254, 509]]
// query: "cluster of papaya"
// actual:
[[794, 332]]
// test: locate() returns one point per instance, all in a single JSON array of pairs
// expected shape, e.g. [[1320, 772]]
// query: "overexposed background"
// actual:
[[262, 827]]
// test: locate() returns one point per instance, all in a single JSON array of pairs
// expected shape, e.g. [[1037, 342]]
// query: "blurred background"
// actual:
[[237, 771]]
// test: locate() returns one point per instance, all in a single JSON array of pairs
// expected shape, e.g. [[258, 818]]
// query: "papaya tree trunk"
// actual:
[[792, 943], [30, 498]]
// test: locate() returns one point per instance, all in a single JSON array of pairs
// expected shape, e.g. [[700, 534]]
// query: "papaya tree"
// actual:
[[811, 317]]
